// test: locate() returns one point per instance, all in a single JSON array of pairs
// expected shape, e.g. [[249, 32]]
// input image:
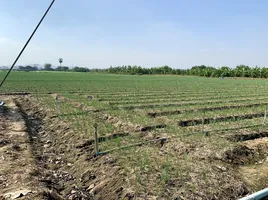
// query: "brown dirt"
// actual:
[[258, 144], [55, 163], [249, 151], [88, 175], [244, 135], [251, 156], [256, 175], [239, 155], [197, 121], [17, 165]]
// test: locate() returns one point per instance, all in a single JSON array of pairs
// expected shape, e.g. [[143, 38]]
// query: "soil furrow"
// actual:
[[193, 122]]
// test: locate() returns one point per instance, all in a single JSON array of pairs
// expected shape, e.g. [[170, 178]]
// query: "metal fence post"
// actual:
[[96, 138], [265, 113], [36, 92], [57, 106]]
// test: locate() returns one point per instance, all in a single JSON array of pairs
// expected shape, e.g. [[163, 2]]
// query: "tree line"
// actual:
[[199, 70], [48, 67]]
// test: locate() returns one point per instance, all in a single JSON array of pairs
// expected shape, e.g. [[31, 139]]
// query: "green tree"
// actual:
[[48, 67]]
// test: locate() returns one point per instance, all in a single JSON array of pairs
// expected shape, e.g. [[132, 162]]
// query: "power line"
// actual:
[[26, 44]]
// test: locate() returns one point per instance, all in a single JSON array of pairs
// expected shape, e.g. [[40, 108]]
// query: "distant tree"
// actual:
[[198, 70], [242, 71], [225, 71], [80, 69], [20, 67], [48, 67], [62, 68], [27, 68], [36, 66]]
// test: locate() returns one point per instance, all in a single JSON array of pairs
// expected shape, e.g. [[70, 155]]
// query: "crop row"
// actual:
[[181, 98], [174, 112], [141, 96], [112, 119], [187, 103], [247, 134], [209, 120]]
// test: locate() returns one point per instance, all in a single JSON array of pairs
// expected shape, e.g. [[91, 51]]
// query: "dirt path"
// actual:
[[42, 158], [17, 164]]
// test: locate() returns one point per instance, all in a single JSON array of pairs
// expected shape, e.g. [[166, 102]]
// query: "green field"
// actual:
[[193, 113]]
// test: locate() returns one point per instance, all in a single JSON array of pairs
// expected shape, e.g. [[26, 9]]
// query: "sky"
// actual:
[[149, 33]]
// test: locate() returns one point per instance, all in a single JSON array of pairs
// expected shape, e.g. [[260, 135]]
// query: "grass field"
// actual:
[[206, 121]]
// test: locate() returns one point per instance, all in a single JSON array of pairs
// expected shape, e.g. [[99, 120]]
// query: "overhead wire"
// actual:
[[26, 44]]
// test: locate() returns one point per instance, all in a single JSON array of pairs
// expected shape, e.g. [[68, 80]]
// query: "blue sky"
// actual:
[[100, 33]]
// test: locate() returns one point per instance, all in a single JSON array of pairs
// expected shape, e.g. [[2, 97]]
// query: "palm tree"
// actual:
[[60, 61]]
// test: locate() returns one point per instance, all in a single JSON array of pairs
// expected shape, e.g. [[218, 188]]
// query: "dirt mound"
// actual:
[[239, 155], [248, 152], [69, 169], [260, 144], [244, 135], [197, 121]]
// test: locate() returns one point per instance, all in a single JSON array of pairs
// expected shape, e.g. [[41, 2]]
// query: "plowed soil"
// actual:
[[41, 158]]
